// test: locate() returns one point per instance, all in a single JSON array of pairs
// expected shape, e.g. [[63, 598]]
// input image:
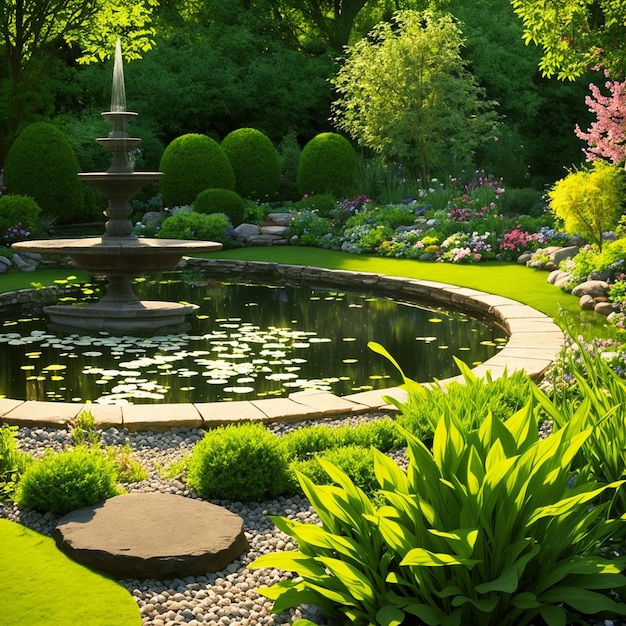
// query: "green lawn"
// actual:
[[43, 587]]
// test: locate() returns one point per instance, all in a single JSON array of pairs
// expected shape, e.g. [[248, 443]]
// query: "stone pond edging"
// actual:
[[533, 345]]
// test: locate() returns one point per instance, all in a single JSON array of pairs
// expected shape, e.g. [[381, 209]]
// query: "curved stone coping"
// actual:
[[534, 343]]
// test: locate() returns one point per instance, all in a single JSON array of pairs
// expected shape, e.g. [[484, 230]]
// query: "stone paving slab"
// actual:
[[223, 413], [152, 535], [160, 417], [36, 413], [105, 415], [326, 403]]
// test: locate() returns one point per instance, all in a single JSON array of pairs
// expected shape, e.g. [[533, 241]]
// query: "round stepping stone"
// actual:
[[152, 535]]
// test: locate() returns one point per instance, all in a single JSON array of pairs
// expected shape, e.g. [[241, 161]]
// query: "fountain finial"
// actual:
[[118, 91]]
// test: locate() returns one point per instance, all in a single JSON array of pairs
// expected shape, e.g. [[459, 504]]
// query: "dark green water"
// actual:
[[245, 342]]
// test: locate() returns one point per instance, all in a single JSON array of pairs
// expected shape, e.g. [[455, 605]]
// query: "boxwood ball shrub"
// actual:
[[255, 162], [18, 210], [225, 201], [192, 163], [242, 463], [62, 482], [327, 165], [41, 164]]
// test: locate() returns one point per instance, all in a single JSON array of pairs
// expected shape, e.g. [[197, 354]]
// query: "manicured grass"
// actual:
[[41, 586], [13, 281]]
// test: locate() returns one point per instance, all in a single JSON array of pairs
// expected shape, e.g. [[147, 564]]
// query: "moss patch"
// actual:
[[42, 586]]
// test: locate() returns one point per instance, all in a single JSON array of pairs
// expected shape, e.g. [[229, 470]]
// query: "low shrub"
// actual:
[[225, 201], [12, 461], [62, 482], [524, 201], [314, 230], [490, 528], [323, 204], [129, 469], [357, 462], [242, 463], [19, 218], [192, 225]]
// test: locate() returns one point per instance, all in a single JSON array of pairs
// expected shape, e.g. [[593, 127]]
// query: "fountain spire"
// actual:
[[118, 90]]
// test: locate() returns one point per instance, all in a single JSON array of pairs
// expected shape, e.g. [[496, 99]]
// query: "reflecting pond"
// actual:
[[246, 342]]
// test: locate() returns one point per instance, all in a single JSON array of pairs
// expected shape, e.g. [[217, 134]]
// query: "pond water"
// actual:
[[246, 342]]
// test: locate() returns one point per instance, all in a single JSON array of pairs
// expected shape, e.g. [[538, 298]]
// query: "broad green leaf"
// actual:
[[525, 600], [289, 561], [462, 540], [396, 536], [426, 558], [485, 605], [583, 600], [553, 615], [430, 615], [388, 474], [390, 616], [359, 586]]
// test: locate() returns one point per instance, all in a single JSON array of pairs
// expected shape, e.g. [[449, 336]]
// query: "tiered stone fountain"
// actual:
[[119, 255]]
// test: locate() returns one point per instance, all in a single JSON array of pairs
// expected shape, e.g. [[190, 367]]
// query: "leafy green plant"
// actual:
[[484, 529], [62, 482], [192, 163], [129, 469], [580, 266], [589, 200], [471, 400], [17, 209], [255, 162], [12, 461], [83, 430], [243, 463], [327, 164], [41, 164], [225, 201], [322, 203], [312, 229], [356, 461], [192, 225]]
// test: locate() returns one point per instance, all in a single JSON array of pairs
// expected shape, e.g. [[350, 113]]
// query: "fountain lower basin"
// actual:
[[120, 259]]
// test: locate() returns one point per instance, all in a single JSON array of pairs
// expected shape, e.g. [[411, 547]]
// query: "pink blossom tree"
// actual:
[[606, 136]]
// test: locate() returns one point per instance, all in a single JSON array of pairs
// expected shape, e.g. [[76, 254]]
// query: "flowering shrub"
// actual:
[[313, 229], [467, 248], [15, 233], [617, 290], [479, 198], [365, 238], [518, 241], [410, 244]]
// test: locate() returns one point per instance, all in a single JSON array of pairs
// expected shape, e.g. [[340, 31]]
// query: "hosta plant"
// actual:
[[489, 527]]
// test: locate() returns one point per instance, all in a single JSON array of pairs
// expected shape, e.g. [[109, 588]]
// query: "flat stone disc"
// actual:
[[152, 535]]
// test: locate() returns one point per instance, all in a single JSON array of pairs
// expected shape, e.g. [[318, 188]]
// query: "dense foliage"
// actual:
[[19, 218], [225, 201], [41, 164], [191, 164], [255, 163], [327, 165]]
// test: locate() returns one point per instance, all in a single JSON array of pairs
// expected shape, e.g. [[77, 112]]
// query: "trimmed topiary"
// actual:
[[192, 163], [60, 483], [243, 463], [225, 201], [41, 164], [327, 165], [255, 162], [18, 213]]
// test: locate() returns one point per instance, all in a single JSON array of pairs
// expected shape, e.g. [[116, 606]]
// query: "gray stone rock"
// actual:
[[152, 219], [563, 281], [587, 303], [604, 275], [563, 253], [245, 231], [593, 288], [277, 231], [5, 263], [23, 264], [280, 219], [523, 259], [603, 308], [554, 275], [152, 535], [264, 240]]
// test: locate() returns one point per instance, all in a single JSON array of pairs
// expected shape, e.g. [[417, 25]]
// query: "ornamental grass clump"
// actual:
[[491, 526]]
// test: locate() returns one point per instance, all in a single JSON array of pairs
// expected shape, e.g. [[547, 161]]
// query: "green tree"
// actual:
[[576, 36], [405, 92], [33, 33], [589, 200]]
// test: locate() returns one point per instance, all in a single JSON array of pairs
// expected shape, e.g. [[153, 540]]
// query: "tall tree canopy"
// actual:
[[404, 92], [576, 35], [34, 32]]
